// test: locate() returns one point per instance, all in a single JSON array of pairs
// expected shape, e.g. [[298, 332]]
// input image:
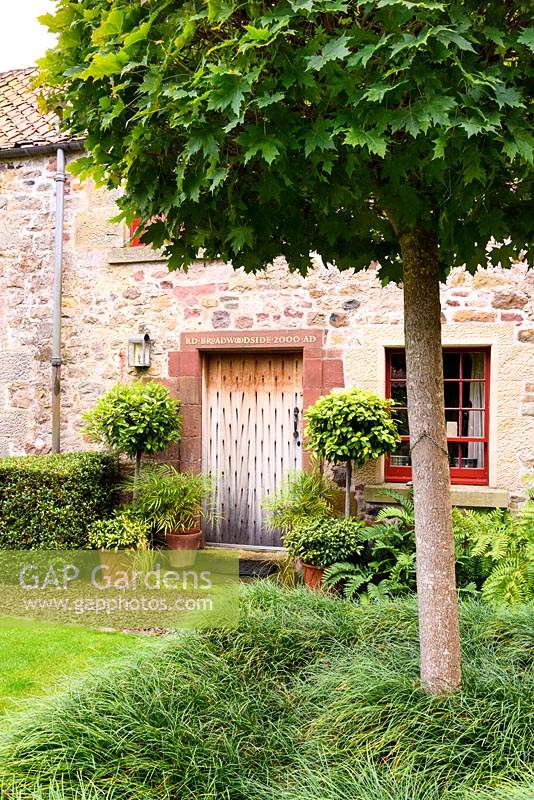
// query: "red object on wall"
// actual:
[[135, 241]]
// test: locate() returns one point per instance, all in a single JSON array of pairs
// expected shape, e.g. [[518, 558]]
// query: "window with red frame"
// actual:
[[467, 380]]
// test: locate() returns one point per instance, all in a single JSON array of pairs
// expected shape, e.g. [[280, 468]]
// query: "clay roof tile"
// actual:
[[22, 124]]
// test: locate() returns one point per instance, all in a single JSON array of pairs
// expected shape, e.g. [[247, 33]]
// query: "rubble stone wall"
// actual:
[[112, 290]]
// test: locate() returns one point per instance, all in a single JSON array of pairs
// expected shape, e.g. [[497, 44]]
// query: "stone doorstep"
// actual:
[[251, 553], [254, 562], [463, 496]]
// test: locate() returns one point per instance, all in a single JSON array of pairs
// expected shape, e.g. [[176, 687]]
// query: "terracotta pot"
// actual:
[[183, 547], [186, 540], [313, 576]]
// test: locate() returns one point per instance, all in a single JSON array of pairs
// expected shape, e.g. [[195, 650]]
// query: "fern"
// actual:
[[509, 583], [506, 542], [350, 575]]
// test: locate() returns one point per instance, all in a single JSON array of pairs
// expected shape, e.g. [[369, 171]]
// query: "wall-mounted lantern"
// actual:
[[139, 350]]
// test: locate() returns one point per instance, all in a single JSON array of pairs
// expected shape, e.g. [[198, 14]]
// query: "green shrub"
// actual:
[[321, 542], [135, 418], [494, 555], [351, 427], [50, 501], [123, 531], [303, 496], [171, 501]]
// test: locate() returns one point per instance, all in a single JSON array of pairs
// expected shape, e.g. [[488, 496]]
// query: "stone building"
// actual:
[[246, 354]]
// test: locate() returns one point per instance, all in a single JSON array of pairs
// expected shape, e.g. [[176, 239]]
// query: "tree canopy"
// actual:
[[135, 418], [353, 425], [264, 128]]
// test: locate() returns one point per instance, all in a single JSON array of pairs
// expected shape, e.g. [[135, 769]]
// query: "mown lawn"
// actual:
[[37, 657]]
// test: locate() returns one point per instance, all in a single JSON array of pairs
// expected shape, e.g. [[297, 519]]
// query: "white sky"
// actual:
[[22, 37]]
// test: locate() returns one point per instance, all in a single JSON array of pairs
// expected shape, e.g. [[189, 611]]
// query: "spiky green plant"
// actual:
[[303, 496], [169, 500]]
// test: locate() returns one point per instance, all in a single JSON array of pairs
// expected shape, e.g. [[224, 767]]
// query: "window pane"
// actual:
[[466, 455], [472, 424], [474, 365], [401, 418], [398, 366], [401, 457], [455, 453], [398, 393], [452, 419], [452, 394], [473, 455], [451, 365], [473, 394]]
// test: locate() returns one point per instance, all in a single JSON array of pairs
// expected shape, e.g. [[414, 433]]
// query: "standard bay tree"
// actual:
[[394, 130]]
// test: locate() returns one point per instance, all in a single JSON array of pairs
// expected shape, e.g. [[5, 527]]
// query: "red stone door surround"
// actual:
[[322, 371]]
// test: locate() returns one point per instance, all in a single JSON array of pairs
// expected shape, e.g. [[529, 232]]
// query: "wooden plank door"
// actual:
[[251, 439]]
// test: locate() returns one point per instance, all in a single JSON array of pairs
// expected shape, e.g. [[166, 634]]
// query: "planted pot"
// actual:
[[183, 547], [185, 540], [313, 576]]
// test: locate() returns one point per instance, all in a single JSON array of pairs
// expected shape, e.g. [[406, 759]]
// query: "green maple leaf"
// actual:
[[438, 108], [204, 142], [240, 236], [474, 172], [527, 38], [472, 127], [524, 143], [229, 94], [374, 141], [217, 177], [319, 138], [104, 65], [333, 50], [268, 99], [363, 55], [508, 96], [268, 147], [449, 36]]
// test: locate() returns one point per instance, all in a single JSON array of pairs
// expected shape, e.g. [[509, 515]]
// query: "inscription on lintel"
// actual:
[[262, 339]]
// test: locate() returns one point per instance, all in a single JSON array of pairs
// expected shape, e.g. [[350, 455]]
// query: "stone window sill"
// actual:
[[464, 496], [135, 255]]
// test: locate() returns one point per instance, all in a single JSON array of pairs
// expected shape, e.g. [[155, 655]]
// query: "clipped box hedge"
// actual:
[[48, 502]]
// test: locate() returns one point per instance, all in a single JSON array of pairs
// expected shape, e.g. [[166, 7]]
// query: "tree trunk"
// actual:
[[436, 584], [348, 482]]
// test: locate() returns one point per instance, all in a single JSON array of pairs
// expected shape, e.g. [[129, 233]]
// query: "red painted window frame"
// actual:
[[459, 475], [135, 241]]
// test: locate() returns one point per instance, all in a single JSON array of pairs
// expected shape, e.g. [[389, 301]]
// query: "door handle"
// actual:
[[296, 435]]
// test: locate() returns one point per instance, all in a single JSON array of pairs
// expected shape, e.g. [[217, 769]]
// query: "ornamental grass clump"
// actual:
[[302, 497], [170, 501], [310, 698], [351, 427]]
